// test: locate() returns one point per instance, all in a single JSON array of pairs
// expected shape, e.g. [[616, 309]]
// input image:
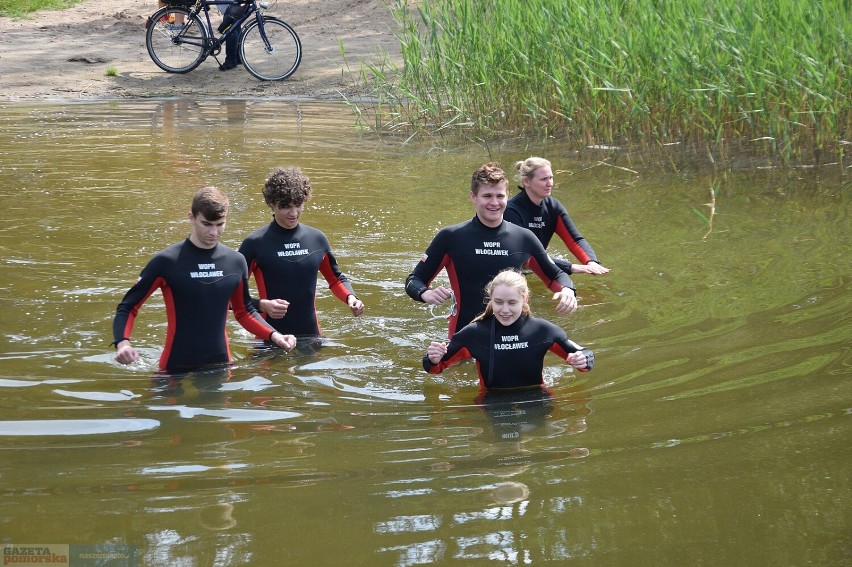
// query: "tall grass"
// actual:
[[775, 73]]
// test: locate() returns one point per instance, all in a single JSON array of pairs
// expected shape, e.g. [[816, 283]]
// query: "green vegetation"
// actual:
[[19, 8], [771, 74], [111, 72]]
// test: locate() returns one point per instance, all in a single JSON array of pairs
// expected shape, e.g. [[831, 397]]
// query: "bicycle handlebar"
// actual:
[[228, 2]]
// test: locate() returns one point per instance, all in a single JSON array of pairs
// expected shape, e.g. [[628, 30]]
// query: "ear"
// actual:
[[190, 216], [473, 197]]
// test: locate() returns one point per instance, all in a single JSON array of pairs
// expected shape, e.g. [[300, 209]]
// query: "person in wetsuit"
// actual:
[[200, 278], [535, 208], [285, 257], [474, 251], [506, 341]]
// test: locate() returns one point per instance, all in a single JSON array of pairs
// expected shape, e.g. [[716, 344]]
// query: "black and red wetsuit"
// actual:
[[473, 254], [285, 263], [198, 285], [546, 219], [508, 356]]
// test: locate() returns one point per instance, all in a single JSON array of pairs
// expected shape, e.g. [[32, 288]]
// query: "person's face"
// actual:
[[206, 233], [540, 184], [288, 216], [507, 303], [490, 203]]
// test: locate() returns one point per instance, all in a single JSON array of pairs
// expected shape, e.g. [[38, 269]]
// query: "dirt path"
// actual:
[[65, 54]]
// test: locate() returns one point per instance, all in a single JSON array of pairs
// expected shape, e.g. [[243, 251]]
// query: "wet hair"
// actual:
[[488, 174], [210, 202], [526, 168], [510, 278], [286, 186]]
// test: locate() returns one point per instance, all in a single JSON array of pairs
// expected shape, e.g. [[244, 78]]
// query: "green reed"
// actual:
[[773, 74]]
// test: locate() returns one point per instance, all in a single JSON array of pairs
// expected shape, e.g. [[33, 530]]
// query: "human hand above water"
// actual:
[[436, 351], [355, 304], [275, 308], [567, 301], [287, 342], [126, 354], [436, 296]]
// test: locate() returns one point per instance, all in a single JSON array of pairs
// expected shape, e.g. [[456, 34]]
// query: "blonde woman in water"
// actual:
[[506, 341]]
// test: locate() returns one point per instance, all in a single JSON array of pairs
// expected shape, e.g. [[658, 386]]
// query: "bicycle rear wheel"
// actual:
[[277, 62], [176, 39]]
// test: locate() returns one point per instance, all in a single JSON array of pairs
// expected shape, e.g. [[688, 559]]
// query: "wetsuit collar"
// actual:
[[195, 246], [277, 226], [485, 226], [526, 197]]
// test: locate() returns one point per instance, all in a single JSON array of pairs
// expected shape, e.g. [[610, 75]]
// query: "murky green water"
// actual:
[[714, 429]]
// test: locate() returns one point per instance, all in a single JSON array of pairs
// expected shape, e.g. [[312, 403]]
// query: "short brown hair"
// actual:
[[211, 202], [286, 186], [488, 174]]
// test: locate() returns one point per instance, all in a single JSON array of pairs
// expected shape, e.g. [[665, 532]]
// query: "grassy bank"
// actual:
[[19, 8], [771, 73]]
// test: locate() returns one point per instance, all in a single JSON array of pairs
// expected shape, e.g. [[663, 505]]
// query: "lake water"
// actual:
[[714, 429]]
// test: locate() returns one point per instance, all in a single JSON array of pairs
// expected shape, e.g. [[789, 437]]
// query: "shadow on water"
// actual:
[[712, 431]]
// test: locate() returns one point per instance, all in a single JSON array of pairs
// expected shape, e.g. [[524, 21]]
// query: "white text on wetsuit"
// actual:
[[537, 222], [510, 342], [491, 249], [206, 271], [293, 249]]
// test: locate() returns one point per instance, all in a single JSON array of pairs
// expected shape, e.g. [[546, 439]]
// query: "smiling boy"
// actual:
[[474, 251]]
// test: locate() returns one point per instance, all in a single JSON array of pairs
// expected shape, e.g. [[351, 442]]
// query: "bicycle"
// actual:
[[178, 40]]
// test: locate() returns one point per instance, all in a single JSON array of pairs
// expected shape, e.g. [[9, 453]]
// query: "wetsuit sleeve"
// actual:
[[562, 346], [542, 265], [563, 265], [432, 262], [247, 249], [246, 314], [577, 245], [125, 315], [338, 282]]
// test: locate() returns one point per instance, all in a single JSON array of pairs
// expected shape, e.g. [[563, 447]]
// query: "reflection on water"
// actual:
[[37, 428], [713, 429]]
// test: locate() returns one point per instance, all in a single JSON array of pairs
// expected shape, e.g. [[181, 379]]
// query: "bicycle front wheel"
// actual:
[[176, 40], [273, 61]]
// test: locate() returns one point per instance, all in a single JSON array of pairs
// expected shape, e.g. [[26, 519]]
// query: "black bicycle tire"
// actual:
[[158, 40], [251, 38]]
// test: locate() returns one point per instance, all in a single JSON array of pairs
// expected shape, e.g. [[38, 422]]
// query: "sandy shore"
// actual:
[[65, 54]]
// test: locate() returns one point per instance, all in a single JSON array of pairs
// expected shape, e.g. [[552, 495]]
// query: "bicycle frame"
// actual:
[[215, 43]]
